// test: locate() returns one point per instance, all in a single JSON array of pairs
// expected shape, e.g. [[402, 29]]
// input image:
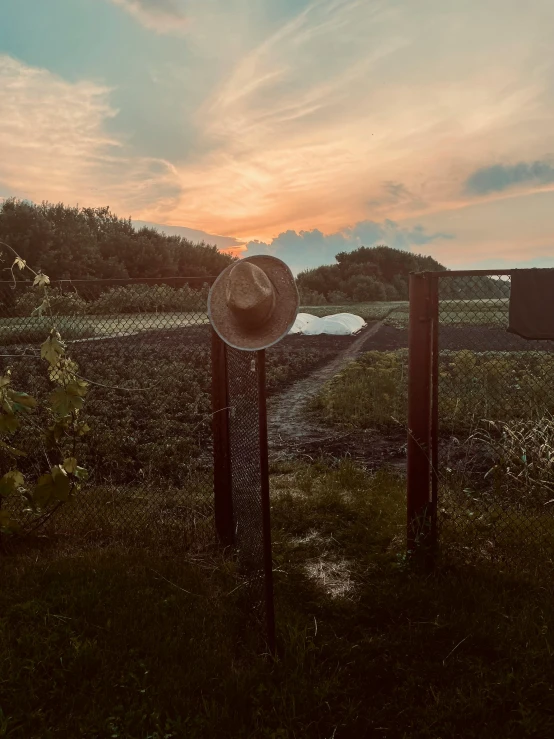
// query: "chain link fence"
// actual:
[[144, 348], [494, 435], [248, 453]]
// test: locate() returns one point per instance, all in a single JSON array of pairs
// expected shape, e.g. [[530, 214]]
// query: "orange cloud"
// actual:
[[345, 112], [53, 145]]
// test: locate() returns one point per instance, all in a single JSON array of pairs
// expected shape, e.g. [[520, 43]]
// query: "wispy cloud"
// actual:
[[500, 177], [303, 116], [54, 144], [163, 16], [341, 114]]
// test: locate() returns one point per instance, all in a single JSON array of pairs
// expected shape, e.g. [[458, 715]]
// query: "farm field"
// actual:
[[373, 390], [396, 313], [34, 328], [484, 312], [149, 404], [149, 412]]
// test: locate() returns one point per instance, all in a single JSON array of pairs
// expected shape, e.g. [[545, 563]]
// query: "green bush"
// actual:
[[311, 297], [60, 303], [337, 297], [366, 288], [141, 298]]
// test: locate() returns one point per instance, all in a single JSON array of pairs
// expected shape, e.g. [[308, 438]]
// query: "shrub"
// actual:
[[336, 297], [311, 297], [366, 288], [141, 298], [391, 293], [61, 304]]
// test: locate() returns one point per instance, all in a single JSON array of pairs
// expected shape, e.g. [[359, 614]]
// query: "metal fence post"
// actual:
[[266, 521], [419, 508], [434, 308], [223, 490]]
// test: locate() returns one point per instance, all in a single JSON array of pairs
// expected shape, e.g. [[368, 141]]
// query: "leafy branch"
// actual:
[[39, 500]]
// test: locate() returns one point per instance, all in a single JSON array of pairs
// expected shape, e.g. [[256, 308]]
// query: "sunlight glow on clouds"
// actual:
[[53, 145], [308, 118]]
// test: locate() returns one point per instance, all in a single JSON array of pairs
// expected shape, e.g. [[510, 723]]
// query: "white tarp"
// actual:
[[341, 324], [302, 321]]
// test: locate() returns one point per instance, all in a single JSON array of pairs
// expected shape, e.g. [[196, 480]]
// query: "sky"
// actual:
[[299, 128]]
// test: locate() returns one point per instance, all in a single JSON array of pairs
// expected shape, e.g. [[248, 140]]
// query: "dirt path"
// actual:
[[290, 426]]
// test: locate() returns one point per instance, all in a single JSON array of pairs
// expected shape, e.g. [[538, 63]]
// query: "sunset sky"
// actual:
[[299, 128]]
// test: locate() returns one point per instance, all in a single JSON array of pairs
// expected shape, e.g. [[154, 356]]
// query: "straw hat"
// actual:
[[253, 303]]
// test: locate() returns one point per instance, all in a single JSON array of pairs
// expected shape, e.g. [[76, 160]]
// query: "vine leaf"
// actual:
[[70, 465], [22, 401], [63, 371], [53, 348], [41, 280], [9, 423], [18, 262], [64, 402], [82, 429], [72, 468], [10, 483], [54, 485], [81, 473]]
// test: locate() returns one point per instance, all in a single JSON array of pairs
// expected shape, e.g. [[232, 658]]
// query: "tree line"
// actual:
[[366, 274], [71, 243]]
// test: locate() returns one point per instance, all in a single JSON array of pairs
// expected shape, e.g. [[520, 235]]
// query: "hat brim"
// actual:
[[276, 327]]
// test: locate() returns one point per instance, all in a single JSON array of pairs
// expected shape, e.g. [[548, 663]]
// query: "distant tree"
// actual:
[[311, 297], [376, 273], [366, 289], [337, 297]]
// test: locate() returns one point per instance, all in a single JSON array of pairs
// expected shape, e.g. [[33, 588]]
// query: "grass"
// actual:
[[122, 641], [485, 312], [372, 391]]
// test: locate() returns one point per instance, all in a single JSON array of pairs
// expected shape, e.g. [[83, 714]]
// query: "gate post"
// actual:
[[223, 491], [266, 515], [419, 504]]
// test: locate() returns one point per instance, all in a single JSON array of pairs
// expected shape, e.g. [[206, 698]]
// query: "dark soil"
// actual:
[[457, 338]]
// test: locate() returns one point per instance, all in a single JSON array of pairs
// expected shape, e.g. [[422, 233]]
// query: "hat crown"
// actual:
[[250, 294]]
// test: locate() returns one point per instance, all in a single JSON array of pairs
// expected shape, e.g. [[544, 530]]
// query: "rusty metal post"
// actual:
[[223, 490], [266, 516], [419, 414], [434, 307]]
